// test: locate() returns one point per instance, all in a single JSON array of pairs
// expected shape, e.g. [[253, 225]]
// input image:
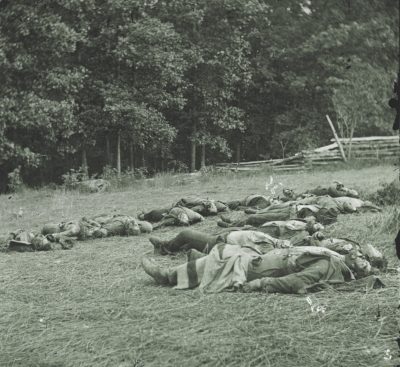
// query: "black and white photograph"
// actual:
[[199, 183]]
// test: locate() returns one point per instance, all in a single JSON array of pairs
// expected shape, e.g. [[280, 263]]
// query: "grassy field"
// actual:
[[94, 305]]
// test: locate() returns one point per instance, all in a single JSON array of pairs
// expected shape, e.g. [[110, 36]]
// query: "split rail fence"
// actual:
[[373, 147]]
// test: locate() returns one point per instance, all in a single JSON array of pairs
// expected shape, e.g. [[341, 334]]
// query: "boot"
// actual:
[[223, 224], [225, 218], [158, 246], [250, 211], [160, 275]]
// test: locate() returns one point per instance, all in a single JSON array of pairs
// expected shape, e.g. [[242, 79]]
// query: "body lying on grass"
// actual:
[[281, 212], [335, 189], [255, 201], [204, 242], [288, 229], [204, 207], [324, 208], [99, 226], [268, 234], [341, 205], [263, 242], [104, 225], [176, 216], [29, 241], [284, 270], [65, 233]]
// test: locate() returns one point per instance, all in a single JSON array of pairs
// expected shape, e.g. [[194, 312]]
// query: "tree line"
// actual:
[[170, 84]]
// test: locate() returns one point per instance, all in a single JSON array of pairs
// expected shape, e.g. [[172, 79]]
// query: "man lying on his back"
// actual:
[[284, 270]]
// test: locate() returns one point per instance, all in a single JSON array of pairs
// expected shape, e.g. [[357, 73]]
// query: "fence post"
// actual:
[[336, 138]]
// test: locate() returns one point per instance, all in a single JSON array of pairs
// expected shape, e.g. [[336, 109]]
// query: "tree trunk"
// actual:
[[162, 160], [193, 153], [283, 146], [238, 146], [108, 151], [131, 161], [84, 162], [143, 158], [203, 156], [193, 157], [119, 153], [157, 162]]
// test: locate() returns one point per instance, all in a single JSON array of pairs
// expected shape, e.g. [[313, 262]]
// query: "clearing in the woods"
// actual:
[[94, 305]]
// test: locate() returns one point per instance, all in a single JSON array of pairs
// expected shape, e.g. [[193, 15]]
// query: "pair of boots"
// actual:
[[160, 275], [167, 276]]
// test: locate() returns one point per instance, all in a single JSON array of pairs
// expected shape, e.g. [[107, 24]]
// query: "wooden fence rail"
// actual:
[[373, 147]]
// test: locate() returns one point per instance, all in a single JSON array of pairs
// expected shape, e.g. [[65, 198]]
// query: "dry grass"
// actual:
[[94, 305]]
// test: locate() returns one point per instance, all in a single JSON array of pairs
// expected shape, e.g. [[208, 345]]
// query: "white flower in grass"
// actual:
[[387, 355]]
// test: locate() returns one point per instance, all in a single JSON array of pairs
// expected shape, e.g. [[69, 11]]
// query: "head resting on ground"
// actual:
[[210, 207], [318, 236], [289, 194], [145, 227], [132, 228], [341, 189], [312, 225], [375, 257], [349, 207], [358, 263], [337, 185]]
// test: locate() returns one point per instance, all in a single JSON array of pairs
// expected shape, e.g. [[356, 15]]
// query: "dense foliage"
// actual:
[[147, 83]]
